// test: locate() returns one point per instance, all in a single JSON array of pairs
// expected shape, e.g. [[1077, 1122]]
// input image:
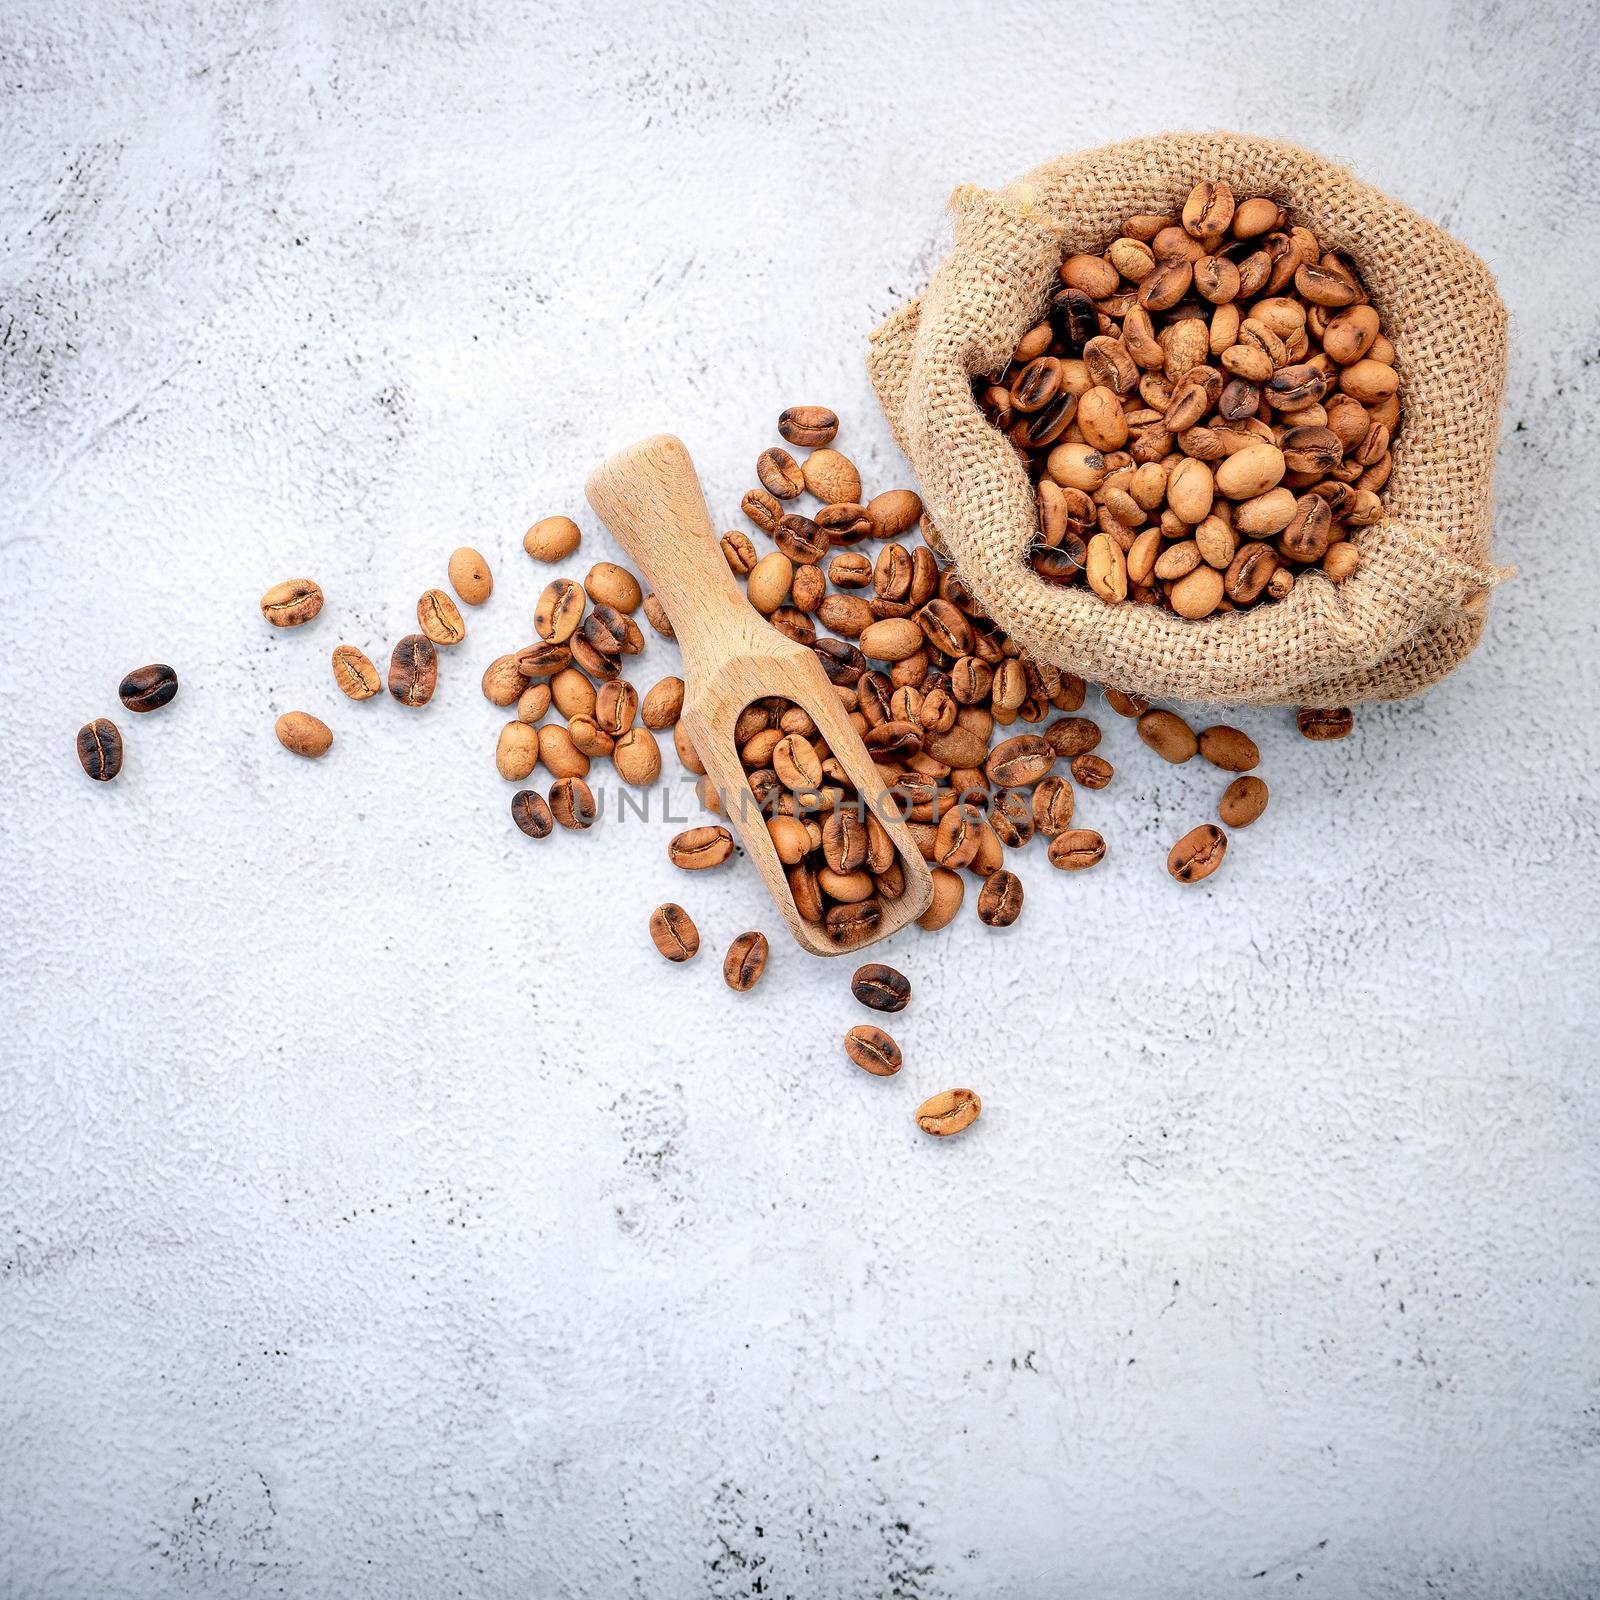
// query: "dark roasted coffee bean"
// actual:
[[531, 813], [842, 662], [1324, 722], [849, 924], [1000, 899], [1198, 853], [1074, 319], [414, 670], [1064, 563], [572, 803], [845, 523], [800, 539], [1044, 427], [1037, 384], [100, 749], [1311, 450], [1248, 575], [780, 474], [745, 961], [1309, 532], [763, 509], [673, 932], [880, 987], [148, 688], [809, 426], [873, 1050]]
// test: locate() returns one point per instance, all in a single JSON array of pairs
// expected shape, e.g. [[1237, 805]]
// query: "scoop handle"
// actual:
[[649, 496]]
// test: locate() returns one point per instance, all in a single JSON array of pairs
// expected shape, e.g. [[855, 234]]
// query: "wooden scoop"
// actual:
[[650, 498]]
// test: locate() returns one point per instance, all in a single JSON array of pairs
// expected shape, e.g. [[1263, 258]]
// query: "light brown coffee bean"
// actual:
[[552, 539], [663, 705], [1000, 899], [948, 892], [413, 670], [1168, 735], [298, 731], [531, 814], [1075, 849], [1208, 211], [808, 426], [762, 508], [616, 704], [831, 477], [1229, 748], [1242, 802], [873, 1050], [355, 673], [1020, 761], [637, 757], [745, 961], [1324, 722], [768, 584], [572, 803], [440, 619], [850, 569], [844, 840], [695, 849], [1198, 853], [1340, 561], [1093, 772], [516, 752], [1198, 594], [949, 1112], [560, 754], [1053, 805], [544, 660], [1250, 472], [559, 610], [673, 932], [469, 575], [533, 702], [893, 639], [610, 585], [503, 682], [656, 615], [1107, 569], [894, 512], [292, 603]]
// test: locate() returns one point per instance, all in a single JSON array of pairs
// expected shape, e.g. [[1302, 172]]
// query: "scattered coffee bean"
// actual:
[[1324, 722], [1000, 899], [469, 575], [881, 987], [1229, 748], [614, 586], [517, 751], [531, 814], [572, 803], [355, 674], [552, 539], [1168, 735], [440, 618], [503, 681], [949, 1112], [697, 848], [745, 961], [559, 610], [831, 477], [1075, 849], [1242, 802], [873, 1050], [413, 670], [1198, 853], [808, 426], [780, 474], [663, 705], [673, 932], [148, 688], [1093, 772], [100, 749], [297, 731], [289, 604]]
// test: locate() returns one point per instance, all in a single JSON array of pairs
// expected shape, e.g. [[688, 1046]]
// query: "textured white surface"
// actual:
[[381, 1216]]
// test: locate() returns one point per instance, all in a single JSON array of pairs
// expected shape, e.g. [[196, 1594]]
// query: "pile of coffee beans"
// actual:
[[1206, 412]]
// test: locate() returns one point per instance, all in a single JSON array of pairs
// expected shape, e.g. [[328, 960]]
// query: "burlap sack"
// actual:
[[1415, 606]]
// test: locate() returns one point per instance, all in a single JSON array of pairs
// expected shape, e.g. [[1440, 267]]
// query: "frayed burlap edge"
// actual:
[[1415, 607]]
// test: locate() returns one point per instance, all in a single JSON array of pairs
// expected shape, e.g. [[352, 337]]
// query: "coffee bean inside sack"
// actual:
[[1206, 410]]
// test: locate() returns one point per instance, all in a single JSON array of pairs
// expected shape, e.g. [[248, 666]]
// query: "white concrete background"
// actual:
[[380, 1216]]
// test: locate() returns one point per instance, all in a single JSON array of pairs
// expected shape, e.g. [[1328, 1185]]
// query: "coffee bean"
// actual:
[[831, 476], [616, 704], [552, 539], [356, 676], [800, 539], [413, 670], [880, 987], [440, 618], [148, 688], [673, 932], [1093, 772], [516, 752], [637, 757], [745, 961], [656, 615], [1011, 817], [1208, 211], [531, 814], [846, 523], [1125, 704], [543, 660], [297, 731], [1168, 735], [808, 426], [850, 924], [1000, 899], [100, 749], [780, 474], [559, 754], [949, 1112], [698, 848], [762, 508], [289, 604], [1072, 736], [739, 552], [559, 610], [1229, 748], [894, 512], [1324, 722], [663, 705], [1053, 805], [1076, 849], [572, 803], [503, 683], [873, 1050], [1019, 762], [844, 840], [1242, 802], [1198, 853], [469, 575]]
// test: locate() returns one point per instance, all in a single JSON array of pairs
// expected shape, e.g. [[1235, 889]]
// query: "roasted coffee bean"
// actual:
[[780, 474], [1076, 848], [439, 617], [1208, 211], [560, 610], [1198, 853], [516, 752], [637, 757], [1229, 748], [1324, 722], [1062, 565], [745, 961], [1125, 704], [572, 803], [845, 524], [850, 924], [673, 932], [503, 683], [873, 1050], [739, 552], [1053, 805], [297, 731], [844, 840], [1072, 736], [850, 570], [1242, 802], [616, 704], [1037, 385], [1047, 425], [1011, 817], [289, 604], [469, 575], [100, 747], [656, 615], [150, 688], [808, 426], [880, 987], [894, 512], [663, 705], [1168, 735], [831, 477], [949, 1112], [1249, 573], [800, 539], [1000, 899], [531, 814], [552, 539], [841, 661], [1074, 320], [543, 660], [697, 848], [413, 670], [1093, 772], [1018, 762], [763, 509], [358, 678], [559, 754]]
